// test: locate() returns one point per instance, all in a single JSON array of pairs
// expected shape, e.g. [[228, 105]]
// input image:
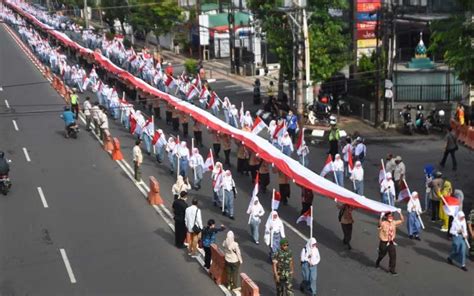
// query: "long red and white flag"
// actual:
[[404, 194], [451, 205], [258, 125], [328, 167], [209, 163], [306, 217]]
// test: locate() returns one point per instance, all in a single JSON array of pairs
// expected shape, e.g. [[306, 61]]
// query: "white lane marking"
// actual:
[[27, 156], [15, 125], [243, 91], [6, 104], [68, 266], [231, 86], [43, 199], [304, 237]]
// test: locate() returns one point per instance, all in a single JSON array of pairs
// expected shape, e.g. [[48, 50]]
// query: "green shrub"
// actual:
[[191, 66]]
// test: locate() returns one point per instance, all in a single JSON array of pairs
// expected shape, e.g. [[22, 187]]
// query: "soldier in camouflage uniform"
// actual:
[[283, 269], [470, 229]]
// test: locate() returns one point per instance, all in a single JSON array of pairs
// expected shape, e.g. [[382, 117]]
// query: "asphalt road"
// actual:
[[421, 265], [114, 241]]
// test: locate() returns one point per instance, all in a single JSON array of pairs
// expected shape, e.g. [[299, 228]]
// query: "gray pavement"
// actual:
[[421, 265], [114, 241]]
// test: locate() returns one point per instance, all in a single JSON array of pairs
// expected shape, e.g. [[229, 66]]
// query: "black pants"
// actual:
[[333, 148], [450, 223], [435, 210], [253, 171], [453, 158], [137, 171], [75, 109], [285, 192], [242, 165], [198, 138], [175, 124], [157, 112], [207, 257], [227, 157], [389, 248], [305, 206], [88, 122], [292, 134], [347, 231], [168, 116], [217, 149], [185, 129], [179, 234]]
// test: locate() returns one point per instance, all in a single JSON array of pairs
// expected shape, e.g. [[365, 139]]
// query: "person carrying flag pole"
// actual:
[[274, 232], [196, 162], [414, 223]]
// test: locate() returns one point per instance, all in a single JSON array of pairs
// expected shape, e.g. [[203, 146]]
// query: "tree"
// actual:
[[454, 39], [329, 43], [115, 10], [160, 17], [278, 34]]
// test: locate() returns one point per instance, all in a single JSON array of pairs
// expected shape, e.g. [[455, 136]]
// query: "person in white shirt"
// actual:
[[357, 178], [137, 160], [192, 217], [346, 150], [458, 231], [87, 113], [414, 212], [387, 190], [196, 163], [183, 158], [216, 177], [309, 266], [338, 166], [274, 232], [255, 211], [171, 148], [286, 144], [103, 124], [228, 188]]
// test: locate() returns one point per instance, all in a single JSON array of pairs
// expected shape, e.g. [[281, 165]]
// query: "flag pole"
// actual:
[[212, 158], [192, 148], [151, 140], [223, 195], [385, 178], [311, 228], [409, 194], [177, 159], [334, 171], [273, 198]]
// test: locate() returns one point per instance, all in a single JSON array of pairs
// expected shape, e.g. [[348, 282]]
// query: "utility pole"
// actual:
[[230, 19], [377, 68], [300, 67], [86, 20]]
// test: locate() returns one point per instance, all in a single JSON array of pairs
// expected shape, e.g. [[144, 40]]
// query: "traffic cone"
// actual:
[[116, 153], [154, 196]]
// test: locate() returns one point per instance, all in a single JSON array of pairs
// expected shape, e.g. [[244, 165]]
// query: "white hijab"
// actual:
[[458, 224], [310, 252]]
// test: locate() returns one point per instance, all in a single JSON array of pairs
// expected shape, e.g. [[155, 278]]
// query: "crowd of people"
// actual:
[[284, 133]]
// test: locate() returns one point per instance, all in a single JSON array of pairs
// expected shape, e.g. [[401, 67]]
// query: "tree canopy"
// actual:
[[454, 39]]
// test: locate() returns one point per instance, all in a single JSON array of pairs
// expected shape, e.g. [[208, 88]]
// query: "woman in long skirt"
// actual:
[[414, 210], [458, 248], [274, 232]]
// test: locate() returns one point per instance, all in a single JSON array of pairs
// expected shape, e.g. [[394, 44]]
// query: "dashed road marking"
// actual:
[[43, 199], [27, 156], [6, 104], [15, 125], [72, 278]]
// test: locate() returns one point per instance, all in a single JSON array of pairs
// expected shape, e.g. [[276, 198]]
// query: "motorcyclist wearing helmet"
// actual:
[[4, 166], [69, 119]]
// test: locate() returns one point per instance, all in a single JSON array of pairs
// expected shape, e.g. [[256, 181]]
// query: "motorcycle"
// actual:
[[321, 110], [72, 130], [437, 119], [5, 184], [408, 126], [421, 124]]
